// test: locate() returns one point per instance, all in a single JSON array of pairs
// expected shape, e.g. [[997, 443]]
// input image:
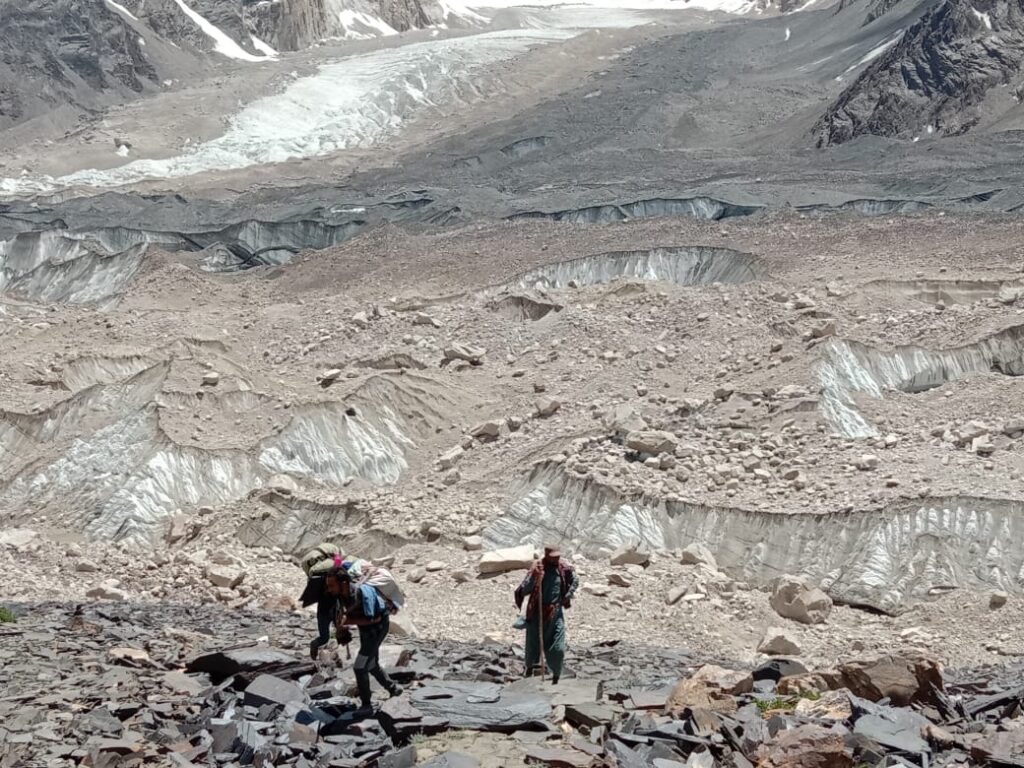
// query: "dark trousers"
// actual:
[[368, 660]]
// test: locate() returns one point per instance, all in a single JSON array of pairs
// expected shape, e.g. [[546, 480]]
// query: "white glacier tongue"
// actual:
[[350, 103]]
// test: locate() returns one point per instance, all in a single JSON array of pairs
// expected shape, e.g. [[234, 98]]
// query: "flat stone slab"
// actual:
[[568, 691], [649, 699], [451, 760], [267, 689], [559, 758], [482, 706], [589, 714], [222, 664]]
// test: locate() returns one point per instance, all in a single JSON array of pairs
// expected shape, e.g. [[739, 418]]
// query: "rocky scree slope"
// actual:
[[90, 54], [941, 77], [65, 52]]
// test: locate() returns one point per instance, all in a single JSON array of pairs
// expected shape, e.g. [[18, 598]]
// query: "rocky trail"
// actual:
[[118, 685]]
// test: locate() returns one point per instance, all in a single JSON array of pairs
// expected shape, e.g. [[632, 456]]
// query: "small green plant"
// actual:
[[786, 702], [6, 616], [771, 705]]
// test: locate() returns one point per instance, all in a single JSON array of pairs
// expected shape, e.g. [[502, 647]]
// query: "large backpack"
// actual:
[[320, 559], [384, 582]]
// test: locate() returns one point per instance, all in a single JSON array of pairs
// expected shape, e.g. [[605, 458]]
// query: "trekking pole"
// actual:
[[540, 628], [540, 623]]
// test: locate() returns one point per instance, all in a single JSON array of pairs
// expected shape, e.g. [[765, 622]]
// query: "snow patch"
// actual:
[[222, 44], [262, 47], [460, 11], [123, 150], [874, 53], [878, 50], [789, 33], [985, 18], [118, 7], [362, 26]]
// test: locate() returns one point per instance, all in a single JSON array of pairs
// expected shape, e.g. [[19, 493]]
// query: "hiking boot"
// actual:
[[554, 679], [366, 710], [314, 649], [395, 690]]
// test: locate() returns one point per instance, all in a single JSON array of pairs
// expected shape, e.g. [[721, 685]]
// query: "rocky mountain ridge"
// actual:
[[943, 76], [83, 56]]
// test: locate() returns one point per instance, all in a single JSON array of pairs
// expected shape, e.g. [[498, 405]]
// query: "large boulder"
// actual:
[[903, 680], [283, 484], [402, 625], [624, 419], [470, 354], [107, 592], [631, 555], [486, 431], [511, 559], [17, 538], [806, 746], [778, 642], [225, 576], [698, 554], [793, 598], [651, 441], [710, 687]]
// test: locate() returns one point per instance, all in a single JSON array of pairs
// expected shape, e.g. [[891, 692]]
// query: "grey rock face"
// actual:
[[938, 76], [88, 54], [81, 53], [292, 25]]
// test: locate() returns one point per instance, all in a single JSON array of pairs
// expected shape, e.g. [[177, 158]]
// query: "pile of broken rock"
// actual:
[[124, 685]]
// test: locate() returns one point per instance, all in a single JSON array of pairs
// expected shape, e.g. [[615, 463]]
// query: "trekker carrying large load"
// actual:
[[317, 563], [363, 606], [325, 559], [551, 584]]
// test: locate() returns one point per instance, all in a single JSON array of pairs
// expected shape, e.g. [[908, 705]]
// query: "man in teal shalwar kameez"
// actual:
[[553, 583]]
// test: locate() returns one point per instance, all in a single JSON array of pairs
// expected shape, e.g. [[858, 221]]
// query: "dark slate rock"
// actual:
[[776, 669], [99, 720], [224, 735], [247, 742], [222, 664], [897, 728], [400, 758], [624, 756], [590, 714], [640, 699], [269, 690], [865, 751], [482, 707]]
